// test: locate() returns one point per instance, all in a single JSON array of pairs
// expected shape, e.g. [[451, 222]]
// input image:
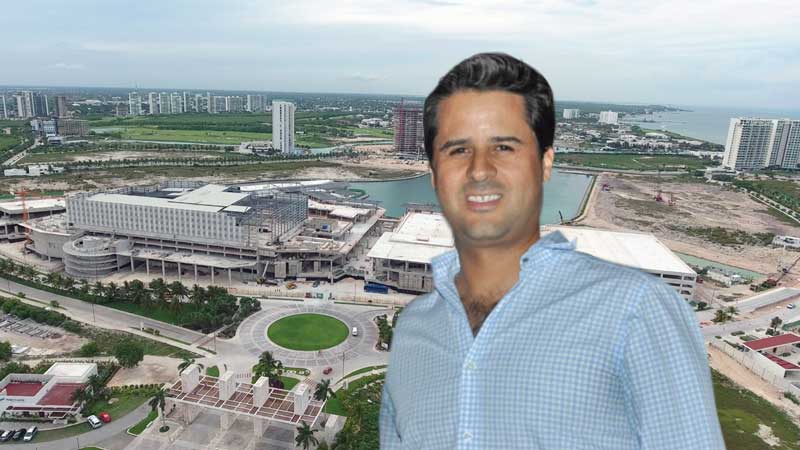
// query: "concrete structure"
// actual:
[[152, 103], [408, 130], [401, 258], [251, 232], [176, 103], [609, 117], [48, 395], [754, 144], [134, 104], [73, 127], [787, 242], [3, 108], [62, 109], [11, 215], [164, 103], [255, 103], [572, 113], [283, 126]]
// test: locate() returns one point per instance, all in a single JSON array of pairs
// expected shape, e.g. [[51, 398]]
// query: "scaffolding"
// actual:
[[272, 215]]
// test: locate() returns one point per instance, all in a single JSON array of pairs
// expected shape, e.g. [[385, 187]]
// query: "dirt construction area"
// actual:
[[153, 369], [686, 216]]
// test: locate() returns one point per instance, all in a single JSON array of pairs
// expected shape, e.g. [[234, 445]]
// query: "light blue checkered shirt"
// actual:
[[579, 354]]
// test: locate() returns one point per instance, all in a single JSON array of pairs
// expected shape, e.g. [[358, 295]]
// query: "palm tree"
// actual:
[[268, 367], [305, 436], [80, 396], [160, 291], [112, 292], [197, 296], [159, 401], [323, 391], [186, 363], [178, 291]]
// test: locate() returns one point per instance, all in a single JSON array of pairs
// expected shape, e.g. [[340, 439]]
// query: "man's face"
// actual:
[[486, 170]]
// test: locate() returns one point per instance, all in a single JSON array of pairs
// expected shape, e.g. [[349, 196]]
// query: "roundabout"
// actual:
[[307, 332], [256, 333]]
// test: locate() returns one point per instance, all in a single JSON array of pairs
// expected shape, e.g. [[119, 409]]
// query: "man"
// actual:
[[525, 343]]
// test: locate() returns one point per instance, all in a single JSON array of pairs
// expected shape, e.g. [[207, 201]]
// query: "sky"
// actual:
[[738, 53]]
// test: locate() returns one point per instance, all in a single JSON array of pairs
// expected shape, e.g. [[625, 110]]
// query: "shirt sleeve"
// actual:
[[665, 375], [390, 439]]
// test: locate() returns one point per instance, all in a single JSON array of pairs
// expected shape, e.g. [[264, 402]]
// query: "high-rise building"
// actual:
[[152, 103], [176, 102], [186, 99], [200, 103], [408, 130], [135, 104], [220, 104], [234, 104], [32, 104], [24, 105], [572, 113], [164, 103], [210, 103], [73, 127], [255, 103], [3, 109], [62, 108], [754, 144], [609, 117], [283, 126]]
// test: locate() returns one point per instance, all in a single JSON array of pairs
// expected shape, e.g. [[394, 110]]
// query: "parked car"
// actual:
[[327, 370], [291, 285], [5, 435], [316, 283], [94, 422], [19, 434], [790, 306], [105, 417], [30, 434], [355, 331]]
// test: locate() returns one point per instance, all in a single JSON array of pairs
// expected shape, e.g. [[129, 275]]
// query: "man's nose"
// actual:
[[481, 166]]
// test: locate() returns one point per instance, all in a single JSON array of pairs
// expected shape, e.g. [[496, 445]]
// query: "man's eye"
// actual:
[[504, 148], [458, 151]]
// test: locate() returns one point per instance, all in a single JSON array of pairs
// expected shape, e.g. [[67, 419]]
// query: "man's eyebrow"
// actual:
[[453, 143], [497, 139]]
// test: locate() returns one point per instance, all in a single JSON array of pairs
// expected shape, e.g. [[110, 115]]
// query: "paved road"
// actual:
[[103, 315], [106, 435]]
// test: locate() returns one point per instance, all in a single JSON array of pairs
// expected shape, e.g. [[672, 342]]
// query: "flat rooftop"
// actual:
[[344, 211], [637, 250], [23, 388], [71, 369], [33, 205], [773, 341], [60, 394], [418, 238]]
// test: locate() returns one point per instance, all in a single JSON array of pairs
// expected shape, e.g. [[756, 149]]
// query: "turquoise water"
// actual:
[[700, 262], [564, 192], [704, 122]]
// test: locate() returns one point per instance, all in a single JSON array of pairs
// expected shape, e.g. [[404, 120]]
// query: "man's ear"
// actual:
[[547, 163]]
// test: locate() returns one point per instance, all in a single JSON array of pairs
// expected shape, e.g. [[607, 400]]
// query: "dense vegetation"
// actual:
[[787, 193], [634, 161]]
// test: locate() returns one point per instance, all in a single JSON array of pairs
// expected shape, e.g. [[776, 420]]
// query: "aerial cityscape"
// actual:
[[196, 257]]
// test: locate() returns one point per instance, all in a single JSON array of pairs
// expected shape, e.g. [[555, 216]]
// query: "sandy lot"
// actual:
[[67, 343], [630, 206], [153, 369]]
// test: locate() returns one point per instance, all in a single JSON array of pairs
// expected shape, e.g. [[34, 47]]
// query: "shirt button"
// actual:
[[467, 436], [525, 259], [470, 365]]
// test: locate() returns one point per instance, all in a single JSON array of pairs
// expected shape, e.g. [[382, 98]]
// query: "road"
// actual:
[[106, 317], [101, 437]]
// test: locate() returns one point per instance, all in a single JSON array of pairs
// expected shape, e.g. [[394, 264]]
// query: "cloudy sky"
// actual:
[[743, 53]]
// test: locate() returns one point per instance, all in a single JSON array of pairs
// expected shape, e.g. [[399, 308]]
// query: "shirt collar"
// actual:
[[446, 266]]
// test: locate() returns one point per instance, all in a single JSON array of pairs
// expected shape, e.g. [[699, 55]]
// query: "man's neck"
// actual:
[[486, 275]]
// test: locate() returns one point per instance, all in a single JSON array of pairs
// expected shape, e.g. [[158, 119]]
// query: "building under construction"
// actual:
[[408, 131], [14, 213], [191, 229]]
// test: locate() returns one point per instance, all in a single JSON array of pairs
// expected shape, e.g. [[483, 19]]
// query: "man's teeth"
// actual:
[[483, 198]]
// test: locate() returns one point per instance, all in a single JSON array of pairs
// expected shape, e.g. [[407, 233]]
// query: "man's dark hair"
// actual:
[[496, 72]]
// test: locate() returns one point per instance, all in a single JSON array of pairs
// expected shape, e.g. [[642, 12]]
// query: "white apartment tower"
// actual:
[[164, 103], [3, 109], [609, 117], [134, 104], [754, 144], [152, 102], [572, 113], [283, 126], [255, 103], [176, 102]]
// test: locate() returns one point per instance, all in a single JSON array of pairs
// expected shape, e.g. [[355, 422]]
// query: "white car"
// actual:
[[355, 331], [94, 422], [790, 306], [30, 434]]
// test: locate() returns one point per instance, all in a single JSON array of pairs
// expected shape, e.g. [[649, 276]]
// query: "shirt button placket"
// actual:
[[468, 389]]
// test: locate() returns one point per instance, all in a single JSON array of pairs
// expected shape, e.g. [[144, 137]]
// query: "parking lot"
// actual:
[[28, 327]]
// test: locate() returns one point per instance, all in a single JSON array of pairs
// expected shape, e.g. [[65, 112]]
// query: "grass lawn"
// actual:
[[138, 173], [307, 332], [8, 142], [362, 370], [202, 136], [139, 427], [740, 412], [289, 382], [106, 340], [157, 313], [334, 404], [632, 161], [91, 448], [212, 371]]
